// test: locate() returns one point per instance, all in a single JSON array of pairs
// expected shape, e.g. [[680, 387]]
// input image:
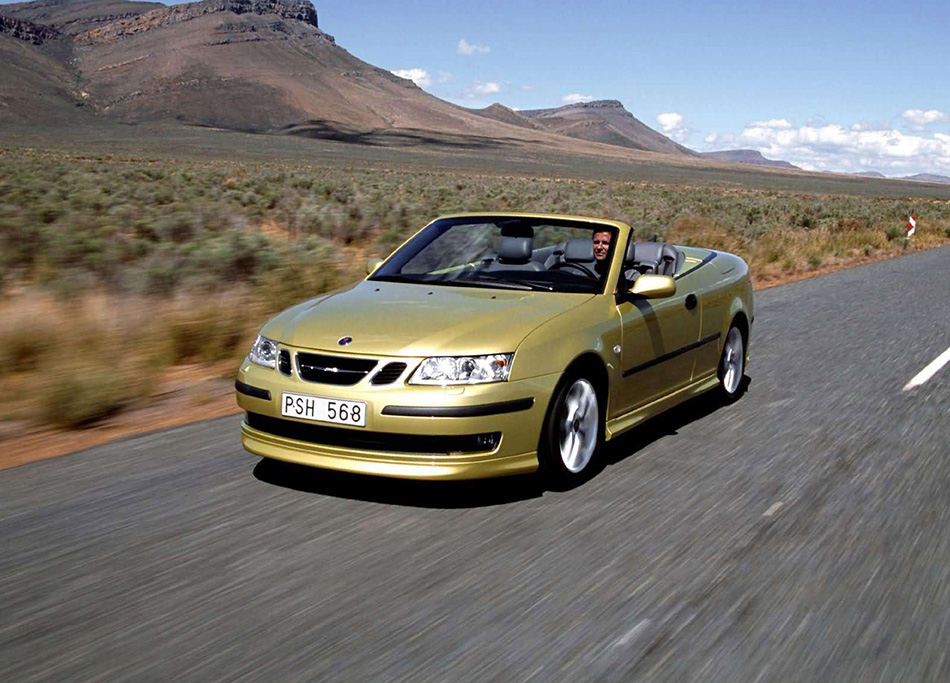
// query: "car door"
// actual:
[[714, 300], [658, 342]]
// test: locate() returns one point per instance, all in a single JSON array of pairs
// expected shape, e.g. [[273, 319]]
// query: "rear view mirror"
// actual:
[[654, 286], [372, 265]]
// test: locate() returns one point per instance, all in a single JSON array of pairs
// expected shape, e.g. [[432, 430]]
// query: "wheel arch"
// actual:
[[740, 315], [741, 320], [593, 367]]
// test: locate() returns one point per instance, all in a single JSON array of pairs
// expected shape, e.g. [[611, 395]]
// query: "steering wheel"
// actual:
[[570, 264]]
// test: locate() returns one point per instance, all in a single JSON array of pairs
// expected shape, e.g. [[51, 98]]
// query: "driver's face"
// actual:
[[601, 245]]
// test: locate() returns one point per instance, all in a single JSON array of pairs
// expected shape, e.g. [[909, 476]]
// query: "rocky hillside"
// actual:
[[605, 121], [21, 29], [250, 65], [747, 156], [927, 178], [500, 112], [167, 16], [257, 66]]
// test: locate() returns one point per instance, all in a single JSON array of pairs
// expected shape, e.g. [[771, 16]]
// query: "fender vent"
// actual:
[[389, 374]]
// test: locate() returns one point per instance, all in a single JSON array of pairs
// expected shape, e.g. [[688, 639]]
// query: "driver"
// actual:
[[601, 247]]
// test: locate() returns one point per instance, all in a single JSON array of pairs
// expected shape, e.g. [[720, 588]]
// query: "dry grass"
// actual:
[[70, 363], [115, 270]]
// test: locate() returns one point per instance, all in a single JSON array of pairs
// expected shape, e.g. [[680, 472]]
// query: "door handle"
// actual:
[[691, 302]]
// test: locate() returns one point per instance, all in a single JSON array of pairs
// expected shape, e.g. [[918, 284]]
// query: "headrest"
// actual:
[[517, 228], [579, 250], [631, 254], [515, 249], [649, 252]]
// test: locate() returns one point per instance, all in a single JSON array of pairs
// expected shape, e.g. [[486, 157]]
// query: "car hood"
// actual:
[[397, 319]]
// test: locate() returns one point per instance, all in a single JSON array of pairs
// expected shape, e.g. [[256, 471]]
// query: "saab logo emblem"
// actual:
[[344, 341]]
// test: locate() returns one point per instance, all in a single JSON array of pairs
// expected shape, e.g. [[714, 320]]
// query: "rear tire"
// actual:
[[732, 365], [572, 433]]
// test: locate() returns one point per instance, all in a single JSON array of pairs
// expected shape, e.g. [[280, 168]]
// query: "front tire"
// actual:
[[573, 432], [732, 365]]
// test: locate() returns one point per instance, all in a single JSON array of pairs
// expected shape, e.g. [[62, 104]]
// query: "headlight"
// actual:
[[463, 370], [264, 352]]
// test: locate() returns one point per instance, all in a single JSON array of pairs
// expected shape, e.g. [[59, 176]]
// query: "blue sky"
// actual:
[[841, 86], [846, 86]]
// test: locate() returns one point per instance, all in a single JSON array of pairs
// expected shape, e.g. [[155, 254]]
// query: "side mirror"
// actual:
[[654, 286], [372, 265]]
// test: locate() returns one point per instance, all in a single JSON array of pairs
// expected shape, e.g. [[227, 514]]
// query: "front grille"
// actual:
[[374, 441], [389, 374], [283, 361], [341, 370]]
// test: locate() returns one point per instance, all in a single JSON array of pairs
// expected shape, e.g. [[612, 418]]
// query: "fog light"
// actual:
[[487, 442]]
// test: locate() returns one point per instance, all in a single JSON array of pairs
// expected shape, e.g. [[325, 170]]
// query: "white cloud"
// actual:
[[672, 124], [576, 98], [529, 87], [670, 121], [488, 88], [420, 77], [844, 148], [776, 124], [481, 89], [467, 49], [918, 118]]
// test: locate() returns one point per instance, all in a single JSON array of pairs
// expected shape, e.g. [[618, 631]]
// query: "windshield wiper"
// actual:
[[398, 278], [518, 284]]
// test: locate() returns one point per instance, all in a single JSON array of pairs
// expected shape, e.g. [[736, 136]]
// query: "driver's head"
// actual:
[[601, 245]]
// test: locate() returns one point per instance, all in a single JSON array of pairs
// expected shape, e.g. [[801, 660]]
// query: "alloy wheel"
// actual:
[[578, 428]]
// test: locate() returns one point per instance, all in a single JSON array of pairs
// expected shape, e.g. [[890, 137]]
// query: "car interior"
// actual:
[[642, 258]]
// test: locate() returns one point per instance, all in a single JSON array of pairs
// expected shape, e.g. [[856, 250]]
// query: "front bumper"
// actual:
[[513, 411]]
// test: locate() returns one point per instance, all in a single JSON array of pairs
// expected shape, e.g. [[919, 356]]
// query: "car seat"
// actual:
[[654, 258], [579, 251], [514, 253]]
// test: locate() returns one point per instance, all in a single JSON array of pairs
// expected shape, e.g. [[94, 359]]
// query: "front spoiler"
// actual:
[[399, 465]]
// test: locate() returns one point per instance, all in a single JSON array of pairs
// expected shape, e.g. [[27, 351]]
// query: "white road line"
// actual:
[[929, 371]]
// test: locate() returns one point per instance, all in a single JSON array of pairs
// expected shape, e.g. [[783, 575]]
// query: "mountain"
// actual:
[[251, 65], [870, 174], [746, 156], [928, 178], [500, 112], [604, 121], [72, 17], [248, 65], [34, 77], [242, 64]]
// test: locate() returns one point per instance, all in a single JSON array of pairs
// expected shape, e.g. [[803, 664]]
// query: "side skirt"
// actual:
[[619, 425]]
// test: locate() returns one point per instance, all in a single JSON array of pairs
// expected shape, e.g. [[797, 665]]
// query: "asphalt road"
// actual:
[[802, 533]]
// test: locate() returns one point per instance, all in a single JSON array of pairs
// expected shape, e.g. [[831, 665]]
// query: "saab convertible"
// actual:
[[496, 344]]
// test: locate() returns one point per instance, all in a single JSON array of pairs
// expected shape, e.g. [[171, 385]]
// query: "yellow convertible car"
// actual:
[[496, 344]]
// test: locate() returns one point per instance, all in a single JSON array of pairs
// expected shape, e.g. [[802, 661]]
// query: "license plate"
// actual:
[[319, 409]]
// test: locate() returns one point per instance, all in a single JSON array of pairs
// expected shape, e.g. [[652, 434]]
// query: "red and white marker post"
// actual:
[[911, 225]]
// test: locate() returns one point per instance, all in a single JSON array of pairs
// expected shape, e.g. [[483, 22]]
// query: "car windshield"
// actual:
[[555, 255]]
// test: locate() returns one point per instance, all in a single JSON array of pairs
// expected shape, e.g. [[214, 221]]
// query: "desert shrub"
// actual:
[[895, 233], [201, 329], [302, 275], [80, 395], [63, 217], [160, 275], [24, 341], [177, 227]]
